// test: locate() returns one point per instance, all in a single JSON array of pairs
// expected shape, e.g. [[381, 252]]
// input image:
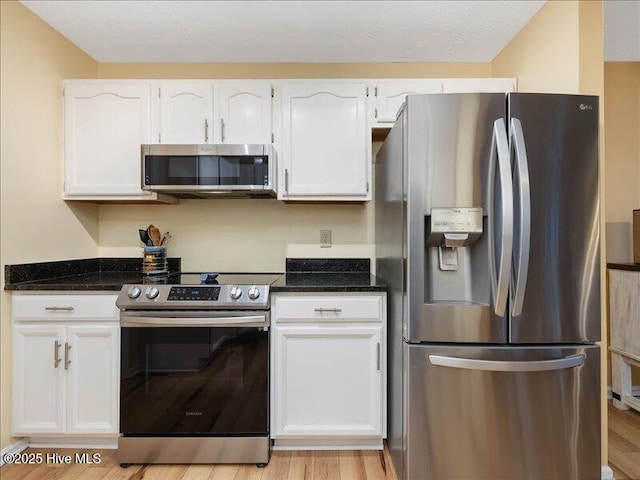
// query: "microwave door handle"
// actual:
[[524, 206], [500, 162]]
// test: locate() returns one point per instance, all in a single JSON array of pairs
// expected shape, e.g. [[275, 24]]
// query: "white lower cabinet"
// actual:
[[65, 372], [328, 371]]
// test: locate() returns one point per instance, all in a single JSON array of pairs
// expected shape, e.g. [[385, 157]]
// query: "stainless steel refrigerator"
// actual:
[[487, 233]]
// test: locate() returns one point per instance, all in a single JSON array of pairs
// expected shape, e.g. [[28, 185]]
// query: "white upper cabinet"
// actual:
[[390, 94], [185, 113], [480, 85], [325, 147], [242, 112], [104, 126]]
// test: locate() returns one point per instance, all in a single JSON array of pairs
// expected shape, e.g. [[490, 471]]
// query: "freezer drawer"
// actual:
[[502, 413]]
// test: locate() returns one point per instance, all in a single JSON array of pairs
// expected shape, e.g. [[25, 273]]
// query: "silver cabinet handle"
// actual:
[[500, 160], [206, 131], [378, 356], [56, 358], [60, 309], [502, 366], [222, 130], [67, 347], [524, 235], [323, 310], [286, 180]]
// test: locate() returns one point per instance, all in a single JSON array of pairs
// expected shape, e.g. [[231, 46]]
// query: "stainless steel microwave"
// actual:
[[210, 171]]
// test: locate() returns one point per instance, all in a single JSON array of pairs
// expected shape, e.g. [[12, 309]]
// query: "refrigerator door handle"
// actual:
[[505, 366], [500, 158], [524, 206]]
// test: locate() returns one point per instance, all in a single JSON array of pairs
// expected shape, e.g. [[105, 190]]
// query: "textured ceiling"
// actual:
[[288, 31], [622, 30]]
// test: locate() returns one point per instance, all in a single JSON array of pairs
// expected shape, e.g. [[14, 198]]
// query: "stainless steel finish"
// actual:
[[254, 293], [67, 347], [225, 300], [324, 310], [286, 180], [152, 292], [206, 131], [222, 130], [59, 309], [562, 299], [521, 247], [447, 154], [509, 366], [501, 164], [232, 150], [378, 356], [547, 421], [164, 318], [187, 450], [390, 213], [56, 358], [235, 293], [134, 292]]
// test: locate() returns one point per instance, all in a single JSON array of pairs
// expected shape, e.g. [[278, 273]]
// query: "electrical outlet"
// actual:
[[325, 238]]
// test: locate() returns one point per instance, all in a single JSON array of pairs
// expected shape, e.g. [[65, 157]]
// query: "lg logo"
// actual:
[[584, 106]]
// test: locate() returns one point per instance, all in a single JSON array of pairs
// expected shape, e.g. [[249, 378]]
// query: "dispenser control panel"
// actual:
[[456, 220]]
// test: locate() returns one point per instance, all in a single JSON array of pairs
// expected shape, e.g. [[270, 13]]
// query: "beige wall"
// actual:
[[544, 54], [266, 231], [622, 181], [561, 51], [35, 224]]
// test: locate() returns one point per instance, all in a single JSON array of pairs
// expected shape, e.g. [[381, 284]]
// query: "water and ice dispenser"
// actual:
[[456, 255]]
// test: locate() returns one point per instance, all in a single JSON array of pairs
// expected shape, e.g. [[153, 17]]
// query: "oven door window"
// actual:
[[194, 381]]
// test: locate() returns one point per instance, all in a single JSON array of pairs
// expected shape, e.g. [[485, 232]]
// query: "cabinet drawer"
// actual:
[[329, 308], [64, 307]]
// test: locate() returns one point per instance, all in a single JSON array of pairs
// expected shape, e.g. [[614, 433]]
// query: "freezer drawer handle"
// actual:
[[501, 366]]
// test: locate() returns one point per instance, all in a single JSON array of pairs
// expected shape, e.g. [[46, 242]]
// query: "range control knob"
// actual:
[[235, 293], [254, 293], [152, 292], [134, 292]]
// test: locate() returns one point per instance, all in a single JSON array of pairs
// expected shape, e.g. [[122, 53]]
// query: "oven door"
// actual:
[[194, 373]]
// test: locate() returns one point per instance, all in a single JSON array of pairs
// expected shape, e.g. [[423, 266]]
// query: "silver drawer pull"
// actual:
[[59, 309], [332, 310]]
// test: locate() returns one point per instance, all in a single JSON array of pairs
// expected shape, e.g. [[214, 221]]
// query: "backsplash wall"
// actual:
[[240, 235]]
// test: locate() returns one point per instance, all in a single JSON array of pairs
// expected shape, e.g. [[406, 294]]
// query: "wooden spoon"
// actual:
[[154, 235]]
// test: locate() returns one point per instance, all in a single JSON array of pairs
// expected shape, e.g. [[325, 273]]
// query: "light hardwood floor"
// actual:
[[624, 459], [319, 465], [624, 443]]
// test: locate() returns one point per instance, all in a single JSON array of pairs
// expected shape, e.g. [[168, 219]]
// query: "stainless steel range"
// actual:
[[194, 379]]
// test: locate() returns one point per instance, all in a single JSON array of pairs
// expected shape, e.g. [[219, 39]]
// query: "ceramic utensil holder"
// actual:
[[154, 261]]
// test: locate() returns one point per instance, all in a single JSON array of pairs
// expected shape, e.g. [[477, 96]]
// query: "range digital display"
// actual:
[[194, 293]]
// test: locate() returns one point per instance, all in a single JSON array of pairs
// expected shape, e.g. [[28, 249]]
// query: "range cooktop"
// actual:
[[199, 291]]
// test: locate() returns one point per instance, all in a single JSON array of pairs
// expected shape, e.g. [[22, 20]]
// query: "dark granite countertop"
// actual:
[[109, 274], [634, 267], [91, 274]]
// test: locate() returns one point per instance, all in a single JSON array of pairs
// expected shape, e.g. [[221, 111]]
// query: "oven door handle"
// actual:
[[158, 321]]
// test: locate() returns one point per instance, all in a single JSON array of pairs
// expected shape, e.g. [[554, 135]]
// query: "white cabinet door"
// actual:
[[186, 113], [104, 126], [391, 94], [243, 112], [325, 146], [480, 85], [93, 379], [327, 382], [38, 383]]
